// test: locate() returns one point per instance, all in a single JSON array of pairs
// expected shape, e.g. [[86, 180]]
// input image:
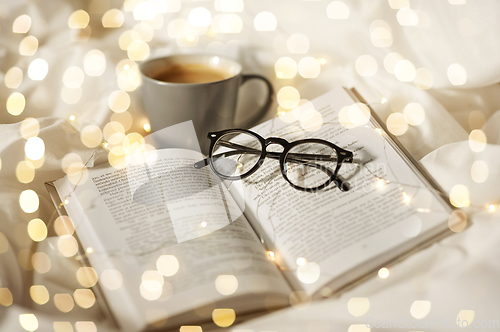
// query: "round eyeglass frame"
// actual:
[[343, 156]]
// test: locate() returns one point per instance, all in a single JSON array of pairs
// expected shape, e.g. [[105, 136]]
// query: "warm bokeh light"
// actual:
[[457, 74], [479, 171], [113, 132], [111, 279], [13, 77], [67, 245], [265, 21], [63, 327], [39, 294], [64, 302], [21, 24], [38, 69], [25, 172], [16, 103], [78, 19], [85, 298], [423, 79], [414, 114], [37, 230], [344, 118], [407, 17], [366, 65], [223, 317], [226, 284], [298, 43], [187, 328], [85, 327], [151, 287], [200, 17], [71, 96], [77, 173], [231, 23], [300, 261], [311, 120], [477, 140], [285, 67], [337, 10], [398, 4], [28, 200], [118, 157], [94, 63], [391, 60], [86, 276], [167, 265], [124, 118], [144, 11], [309, 67], [176, 26], [73, 77], [138, 50], [29, 322], [145, 31], [359, 114], [34, 148], [29, 128], [91, 136], [124, 41], [28, 46], [229, 6], [119, 101], [113, 18], [420, 309], [288, 97], [397, 124], [358, 306], [466, 316], [308, 273], [405, 71], [381, 37], [6, 298], [152, 280], [69, 159], [459, 196], [41, 262], [383, 273], [457, 221]]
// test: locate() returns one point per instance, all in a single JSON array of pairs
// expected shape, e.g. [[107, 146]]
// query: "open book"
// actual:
[[174, 246]]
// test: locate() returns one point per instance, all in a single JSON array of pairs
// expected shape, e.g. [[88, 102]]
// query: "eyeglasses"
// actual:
[[307, 164]]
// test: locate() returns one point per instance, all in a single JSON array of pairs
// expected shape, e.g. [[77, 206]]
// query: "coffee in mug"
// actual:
[[198, 88], [191, 73]]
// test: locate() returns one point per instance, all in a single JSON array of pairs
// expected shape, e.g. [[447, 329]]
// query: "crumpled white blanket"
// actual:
[[459, 273]]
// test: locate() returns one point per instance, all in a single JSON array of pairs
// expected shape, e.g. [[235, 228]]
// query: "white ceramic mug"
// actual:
[[211, 106]]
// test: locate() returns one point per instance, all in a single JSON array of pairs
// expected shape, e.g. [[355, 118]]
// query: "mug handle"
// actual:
[[263, 110]]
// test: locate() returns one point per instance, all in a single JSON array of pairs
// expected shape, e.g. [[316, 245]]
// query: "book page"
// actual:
[[173, 235], [321, 235]]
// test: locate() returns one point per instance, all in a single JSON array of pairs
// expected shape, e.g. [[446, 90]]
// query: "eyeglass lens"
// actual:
[[310, 165], [236, 153]]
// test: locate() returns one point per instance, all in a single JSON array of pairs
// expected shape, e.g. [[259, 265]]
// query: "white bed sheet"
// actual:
[[459, 273]]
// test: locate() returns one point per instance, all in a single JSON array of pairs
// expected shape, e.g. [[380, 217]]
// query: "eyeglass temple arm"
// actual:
[[273, 155]]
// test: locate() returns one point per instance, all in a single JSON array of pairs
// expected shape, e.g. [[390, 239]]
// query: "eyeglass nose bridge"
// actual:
[[276, 140]]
